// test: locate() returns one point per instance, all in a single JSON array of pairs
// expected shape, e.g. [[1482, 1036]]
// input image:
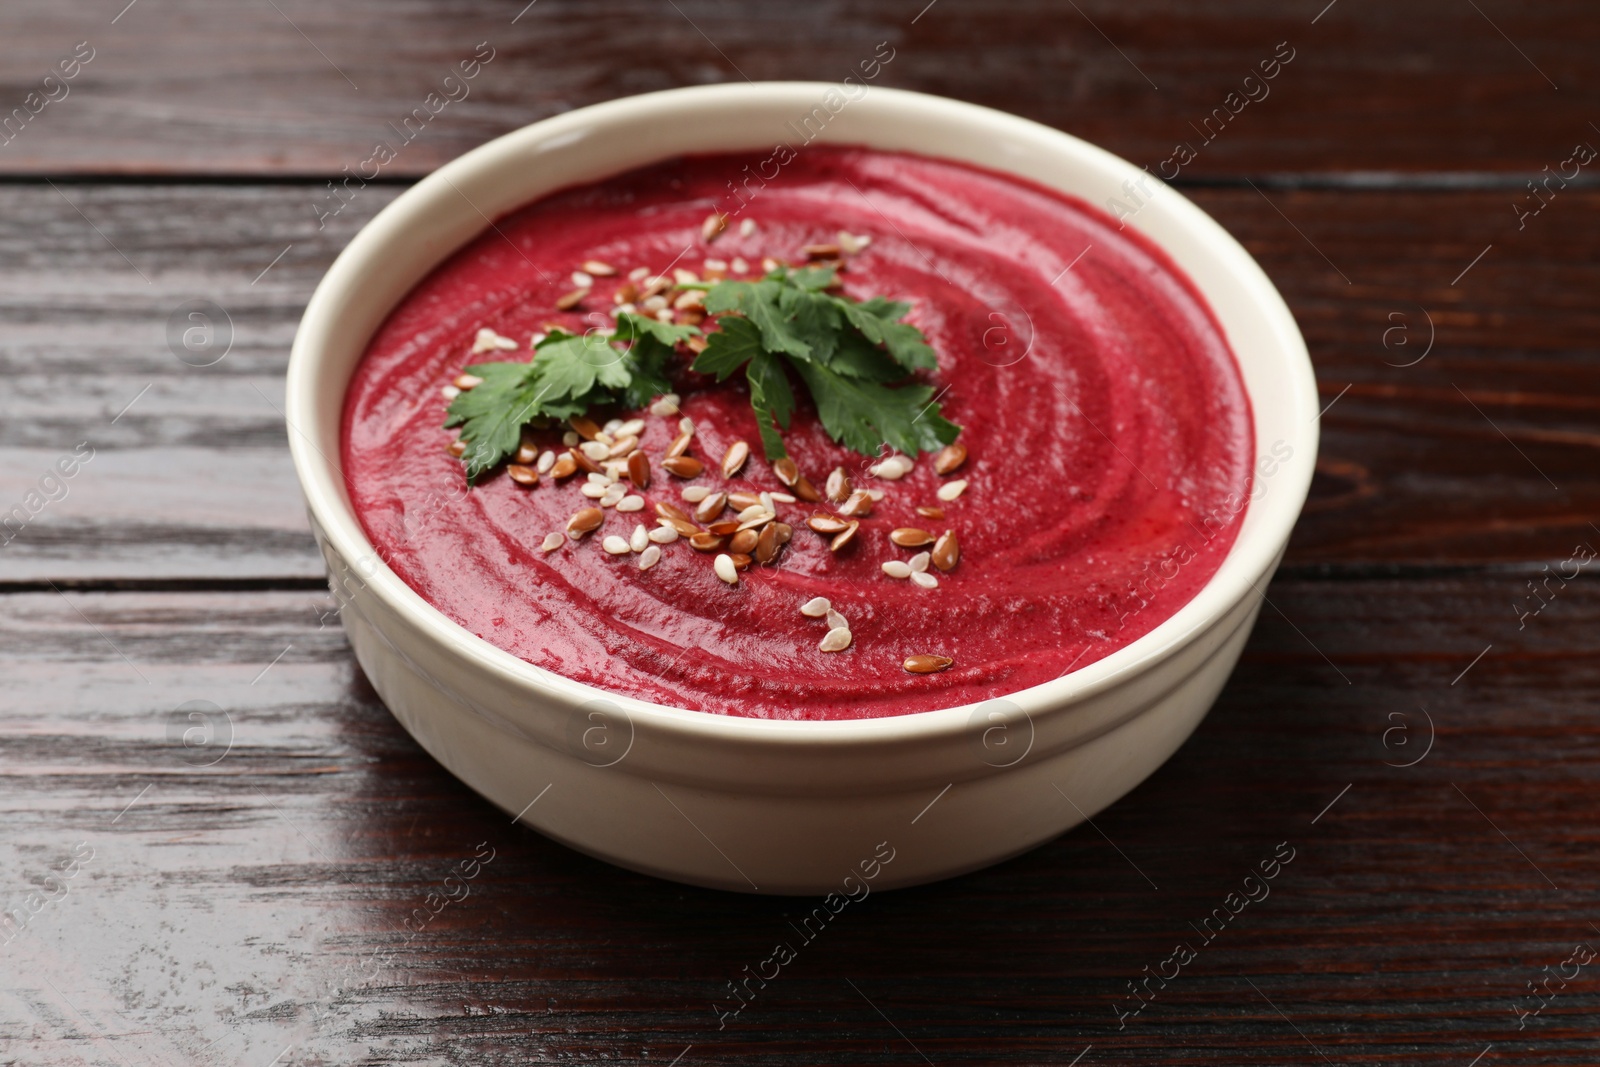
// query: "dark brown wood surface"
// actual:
[[239, 901]]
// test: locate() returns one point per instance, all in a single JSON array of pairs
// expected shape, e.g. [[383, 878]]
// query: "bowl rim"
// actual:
[[1246, 564]]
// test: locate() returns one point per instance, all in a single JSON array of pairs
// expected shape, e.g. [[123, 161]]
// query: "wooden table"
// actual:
[[215, 830]]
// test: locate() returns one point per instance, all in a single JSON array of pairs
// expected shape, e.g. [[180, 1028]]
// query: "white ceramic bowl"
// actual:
[[788, 807]]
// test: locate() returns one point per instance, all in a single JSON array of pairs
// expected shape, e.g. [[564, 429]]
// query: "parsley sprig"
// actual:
[[855, 358]]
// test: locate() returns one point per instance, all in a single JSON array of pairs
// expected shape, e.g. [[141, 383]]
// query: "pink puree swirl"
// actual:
[[1108, 428]]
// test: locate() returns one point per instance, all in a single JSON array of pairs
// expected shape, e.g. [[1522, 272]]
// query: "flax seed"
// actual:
[[713, 226], [806, 491], [947, 551], [711, 507], [950, 458], [786, 470], [767, 544], [911, 537], [706, 542], [737, 453], [930, 512], [837, 488], [926, 664], [859, 506], [683, 466], [571, 300], [845, 538], [824, 523], [584, 520], [639, 470], [522, 475], [563, 466]]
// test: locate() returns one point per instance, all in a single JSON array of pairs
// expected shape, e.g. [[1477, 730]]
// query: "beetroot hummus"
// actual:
[[1106, 429]]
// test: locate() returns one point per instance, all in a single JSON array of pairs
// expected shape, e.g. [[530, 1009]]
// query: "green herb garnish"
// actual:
[[853, 357]]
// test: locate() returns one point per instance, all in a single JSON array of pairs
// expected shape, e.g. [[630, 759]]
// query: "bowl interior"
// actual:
[[456, 203]]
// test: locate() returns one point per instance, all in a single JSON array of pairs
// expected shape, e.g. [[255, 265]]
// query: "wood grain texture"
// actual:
[[233, 909], [1481, 452], [296, 87], [248, 872]]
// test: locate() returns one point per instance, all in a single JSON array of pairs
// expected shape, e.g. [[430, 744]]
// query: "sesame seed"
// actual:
[[950, 490], [582, 279], [746, 228], [547, 459], [666, 406], [836, 621], [553, 541], [924, 579], [640, 540], [631, 503], [664, 535], [895, 568], [919, 562], [649, 557], [696, 493], [816, 607], [617, 546], [836, 640], [725, 569]]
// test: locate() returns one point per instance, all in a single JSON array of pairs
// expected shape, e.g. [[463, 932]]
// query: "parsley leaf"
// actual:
[[865, 415], [569, 375], [854, 357], [773, 400]]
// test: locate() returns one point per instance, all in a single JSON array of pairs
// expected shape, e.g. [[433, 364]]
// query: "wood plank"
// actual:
[[296, 87], [229, 910], [1442, 462]]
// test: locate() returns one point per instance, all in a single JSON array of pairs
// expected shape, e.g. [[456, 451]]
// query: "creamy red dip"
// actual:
[[1108, 431]]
